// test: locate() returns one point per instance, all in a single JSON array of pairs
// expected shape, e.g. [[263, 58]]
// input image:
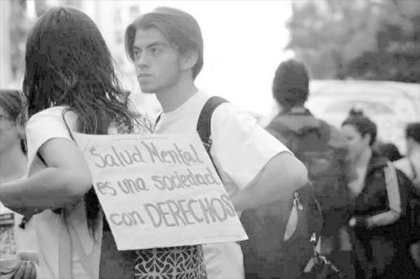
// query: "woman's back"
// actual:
[[16, 235], [57, 231]]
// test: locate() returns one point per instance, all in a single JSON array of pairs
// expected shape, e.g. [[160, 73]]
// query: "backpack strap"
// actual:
[[204, 120], [204, 124], [157, 120]]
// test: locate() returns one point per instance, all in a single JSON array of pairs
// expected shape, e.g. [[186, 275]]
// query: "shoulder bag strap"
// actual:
[[157, 120], [204, 124], [204, 120]]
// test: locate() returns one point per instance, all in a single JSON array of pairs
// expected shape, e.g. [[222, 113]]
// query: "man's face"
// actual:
[[156, 60]]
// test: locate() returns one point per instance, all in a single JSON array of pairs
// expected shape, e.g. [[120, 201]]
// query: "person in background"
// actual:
[[308, 136], [388, 150], [166, 47], [380, 245], [410, 165], [71, 85], [16, 234]]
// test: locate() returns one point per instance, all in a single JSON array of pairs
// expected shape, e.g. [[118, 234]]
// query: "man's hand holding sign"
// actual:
[[159, 191]]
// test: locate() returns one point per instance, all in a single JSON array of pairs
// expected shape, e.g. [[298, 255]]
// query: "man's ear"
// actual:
[[21, 130], [20, 124], [189, 59]]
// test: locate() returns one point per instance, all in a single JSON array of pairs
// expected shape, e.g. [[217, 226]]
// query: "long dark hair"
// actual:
[[68, 64]]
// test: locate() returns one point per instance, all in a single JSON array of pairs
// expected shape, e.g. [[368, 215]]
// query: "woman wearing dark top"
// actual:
[[379, 245]]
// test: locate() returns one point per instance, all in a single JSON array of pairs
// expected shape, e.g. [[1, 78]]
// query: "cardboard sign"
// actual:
[[159, 191]]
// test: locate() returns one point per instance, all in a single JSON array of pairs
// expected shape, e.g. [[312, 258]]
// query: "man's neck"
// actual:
[[176, 96], [12, 164]]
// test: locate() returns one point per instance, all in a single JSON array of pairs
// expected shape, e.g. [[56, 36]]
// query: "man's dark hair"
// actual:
[[413, 131], [291, 84], [180, 28]]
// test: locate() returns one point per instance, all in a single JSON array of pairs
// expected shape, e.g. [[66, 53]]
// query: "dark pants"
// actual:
[[384, 257], [114, 263]]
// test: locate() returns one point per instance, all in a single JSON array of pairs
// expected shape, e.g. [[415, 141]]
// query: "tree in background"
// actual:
[[397, 56], [364, 39]]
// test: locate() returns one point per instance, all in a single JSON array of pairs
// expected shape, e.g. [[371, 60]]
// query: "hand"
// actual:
[[17, 269], [358, 222], [25, 270], [25, 211], [28, 256]]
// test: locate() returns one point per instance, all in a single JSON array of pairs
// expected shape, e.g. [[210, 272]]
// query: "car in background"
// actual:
[[391, 105]]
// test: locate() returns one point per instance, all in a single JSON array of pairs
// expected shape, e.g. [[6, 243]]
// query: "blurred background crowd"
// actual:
[[360, 59], [358, 39]]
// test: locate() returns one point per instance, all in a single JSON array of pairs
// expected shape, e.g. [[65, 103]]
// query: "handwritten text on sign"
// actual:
[[159, 191]]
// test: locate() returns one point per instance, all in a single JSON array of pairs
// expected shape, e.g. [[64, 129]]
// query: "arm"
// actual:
[[394, 200], [66, 179], [279, 178]]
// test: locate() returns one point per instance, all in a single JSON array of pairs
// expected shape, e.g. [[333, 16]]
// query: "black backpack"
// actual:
[[322, 149], [291, 233], [282, 236]]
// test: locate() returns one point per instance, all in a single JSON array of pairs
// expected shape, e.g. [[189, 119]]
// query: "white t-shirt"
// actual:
[[240, 150], [49, 226], [406, 165]]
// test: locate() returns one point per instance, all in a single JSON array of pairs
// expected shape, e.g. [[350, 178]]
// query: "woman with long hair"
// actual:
[[377, 206], [71, 85], [16, 236], [12, 135]]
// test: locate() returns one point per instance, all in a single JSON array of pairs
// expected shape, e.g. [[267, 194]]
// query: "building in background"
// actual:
[[391, 105], [14, 28], [5, 67], [112, 17]]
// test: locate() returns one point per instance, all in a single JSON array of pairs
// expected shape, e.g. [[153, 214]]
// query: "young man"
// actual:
[[313, 141], [166, 47]]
